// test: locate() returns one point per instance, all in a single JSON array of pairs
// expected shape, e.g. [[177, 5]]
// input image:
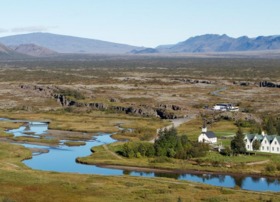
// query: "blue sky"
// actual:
[[141, 22]]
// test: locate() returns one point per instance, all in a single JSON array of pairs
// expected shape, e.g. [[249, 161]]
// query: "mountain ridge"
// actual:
[[222, 43], [10, 54], [207, 43]]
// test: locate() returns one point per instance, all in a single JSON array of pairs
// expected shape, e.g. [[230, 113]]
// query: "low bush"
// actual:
[[270, 168]]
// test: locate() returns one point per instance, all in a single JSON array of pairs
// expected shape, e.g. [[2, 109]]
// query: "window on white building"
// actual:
[[272, 148], [267, 148], [262, 147]]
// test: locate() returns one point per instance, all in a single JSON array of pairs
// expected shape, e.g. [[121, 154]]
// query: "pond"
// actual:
[[62, 159]]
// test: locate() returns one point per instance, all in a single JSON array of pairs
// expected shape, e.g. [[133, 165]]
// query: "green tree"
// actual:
[[138, 149], [270, 126], [256, 129], [256, 145], [167, 140], [237, 144], [197, 149], [278, 127]]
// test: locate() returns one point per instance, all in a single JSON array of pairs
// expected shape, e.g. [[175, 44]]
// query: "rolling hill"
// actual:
[[68, 44]]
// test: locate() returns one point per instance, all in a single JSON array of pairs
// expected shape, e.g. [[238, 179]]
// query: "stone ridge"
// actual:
[[162, 111]]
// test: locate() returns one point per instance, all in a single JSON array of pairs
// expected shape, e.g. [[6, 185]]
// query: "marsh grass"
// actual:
[[74, 144], [95, 121]]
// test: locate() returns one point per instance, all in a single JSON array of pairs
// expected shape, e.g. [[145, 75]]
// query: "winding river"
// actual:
[[62, 159]]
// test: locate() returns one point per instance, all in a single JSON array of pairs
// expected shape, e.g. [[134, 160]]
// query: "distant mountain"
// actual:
[[222, 43], [46, 44], [8, 53], [68, 44], [33, 50], [145, 51]]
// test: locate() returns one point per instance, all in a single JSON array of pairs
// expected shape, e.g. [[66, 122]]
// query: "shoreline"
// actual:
[[146, 169], [177, 171]]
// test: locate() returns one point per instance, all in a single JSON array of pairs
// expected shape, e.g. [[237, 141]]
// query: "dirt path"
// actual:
[[111, 152], [257, 163], [217, 92], [175, 123]]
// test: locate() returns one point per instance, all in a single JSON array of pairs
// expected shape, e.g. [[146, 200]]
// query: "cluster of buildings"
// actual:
[[268, 143]]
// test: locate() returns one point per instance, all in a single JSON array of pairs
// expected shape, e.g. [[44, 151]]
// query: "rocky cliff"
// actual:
[[162, 111]]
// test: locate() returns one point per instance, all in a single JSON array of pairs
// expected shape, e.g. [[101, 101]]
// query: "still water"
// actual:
[[62, 159]]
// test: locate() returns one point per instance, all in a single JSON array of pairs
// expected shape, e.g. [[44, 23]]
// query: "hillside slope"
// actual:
[[222, 43], [68, 44]]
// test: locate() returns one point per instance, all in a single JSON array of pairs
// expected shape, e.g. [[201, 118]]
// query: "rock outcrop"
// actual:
[[163, 111], [269, 84], [193, 81]]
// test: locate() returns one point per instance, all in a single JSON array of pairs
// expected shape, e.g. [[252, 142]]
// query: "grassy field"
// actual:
[[135, 81], [19, 183]]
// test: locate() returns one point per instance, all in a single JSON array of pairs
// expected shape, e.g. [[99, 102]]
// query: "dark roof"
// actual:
[[260, 138], [210, 134]]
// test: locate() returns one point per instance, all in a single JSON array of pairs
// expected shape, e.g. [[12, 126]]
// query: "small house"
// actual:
[[207, 136]]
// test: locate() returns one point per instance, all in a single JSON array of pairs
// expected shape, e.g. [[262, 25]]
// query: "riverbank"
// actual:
[[182, 172], [157, 171], [19, 183], [238, 166]]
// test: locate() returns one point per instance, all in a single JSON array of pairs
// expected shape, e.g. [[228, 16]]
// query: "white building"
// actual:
[[268, 143], [225, 107], [207, 136]]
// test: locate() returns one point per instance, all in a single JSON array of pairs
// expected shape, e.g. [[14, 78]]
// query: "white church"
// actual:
[[207, 136]]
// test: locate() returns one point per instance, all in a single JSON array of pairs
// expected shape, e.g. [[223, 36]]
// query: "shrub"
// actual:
[[270, 168], [71, 93], [226, 152], [137, 149]]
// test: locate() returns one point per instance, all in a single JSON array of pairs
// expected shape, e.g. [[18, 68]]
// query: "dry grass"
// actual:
[[19, 183], [133, 81]]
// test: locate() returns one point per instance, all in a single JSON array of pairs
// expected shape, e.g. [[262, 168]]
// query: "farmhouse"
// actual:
[[207, 136], [268, 143]]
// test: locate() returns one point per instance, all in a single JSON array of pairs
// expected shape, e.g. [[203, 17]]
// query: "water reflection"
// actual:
[[63, 159]]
